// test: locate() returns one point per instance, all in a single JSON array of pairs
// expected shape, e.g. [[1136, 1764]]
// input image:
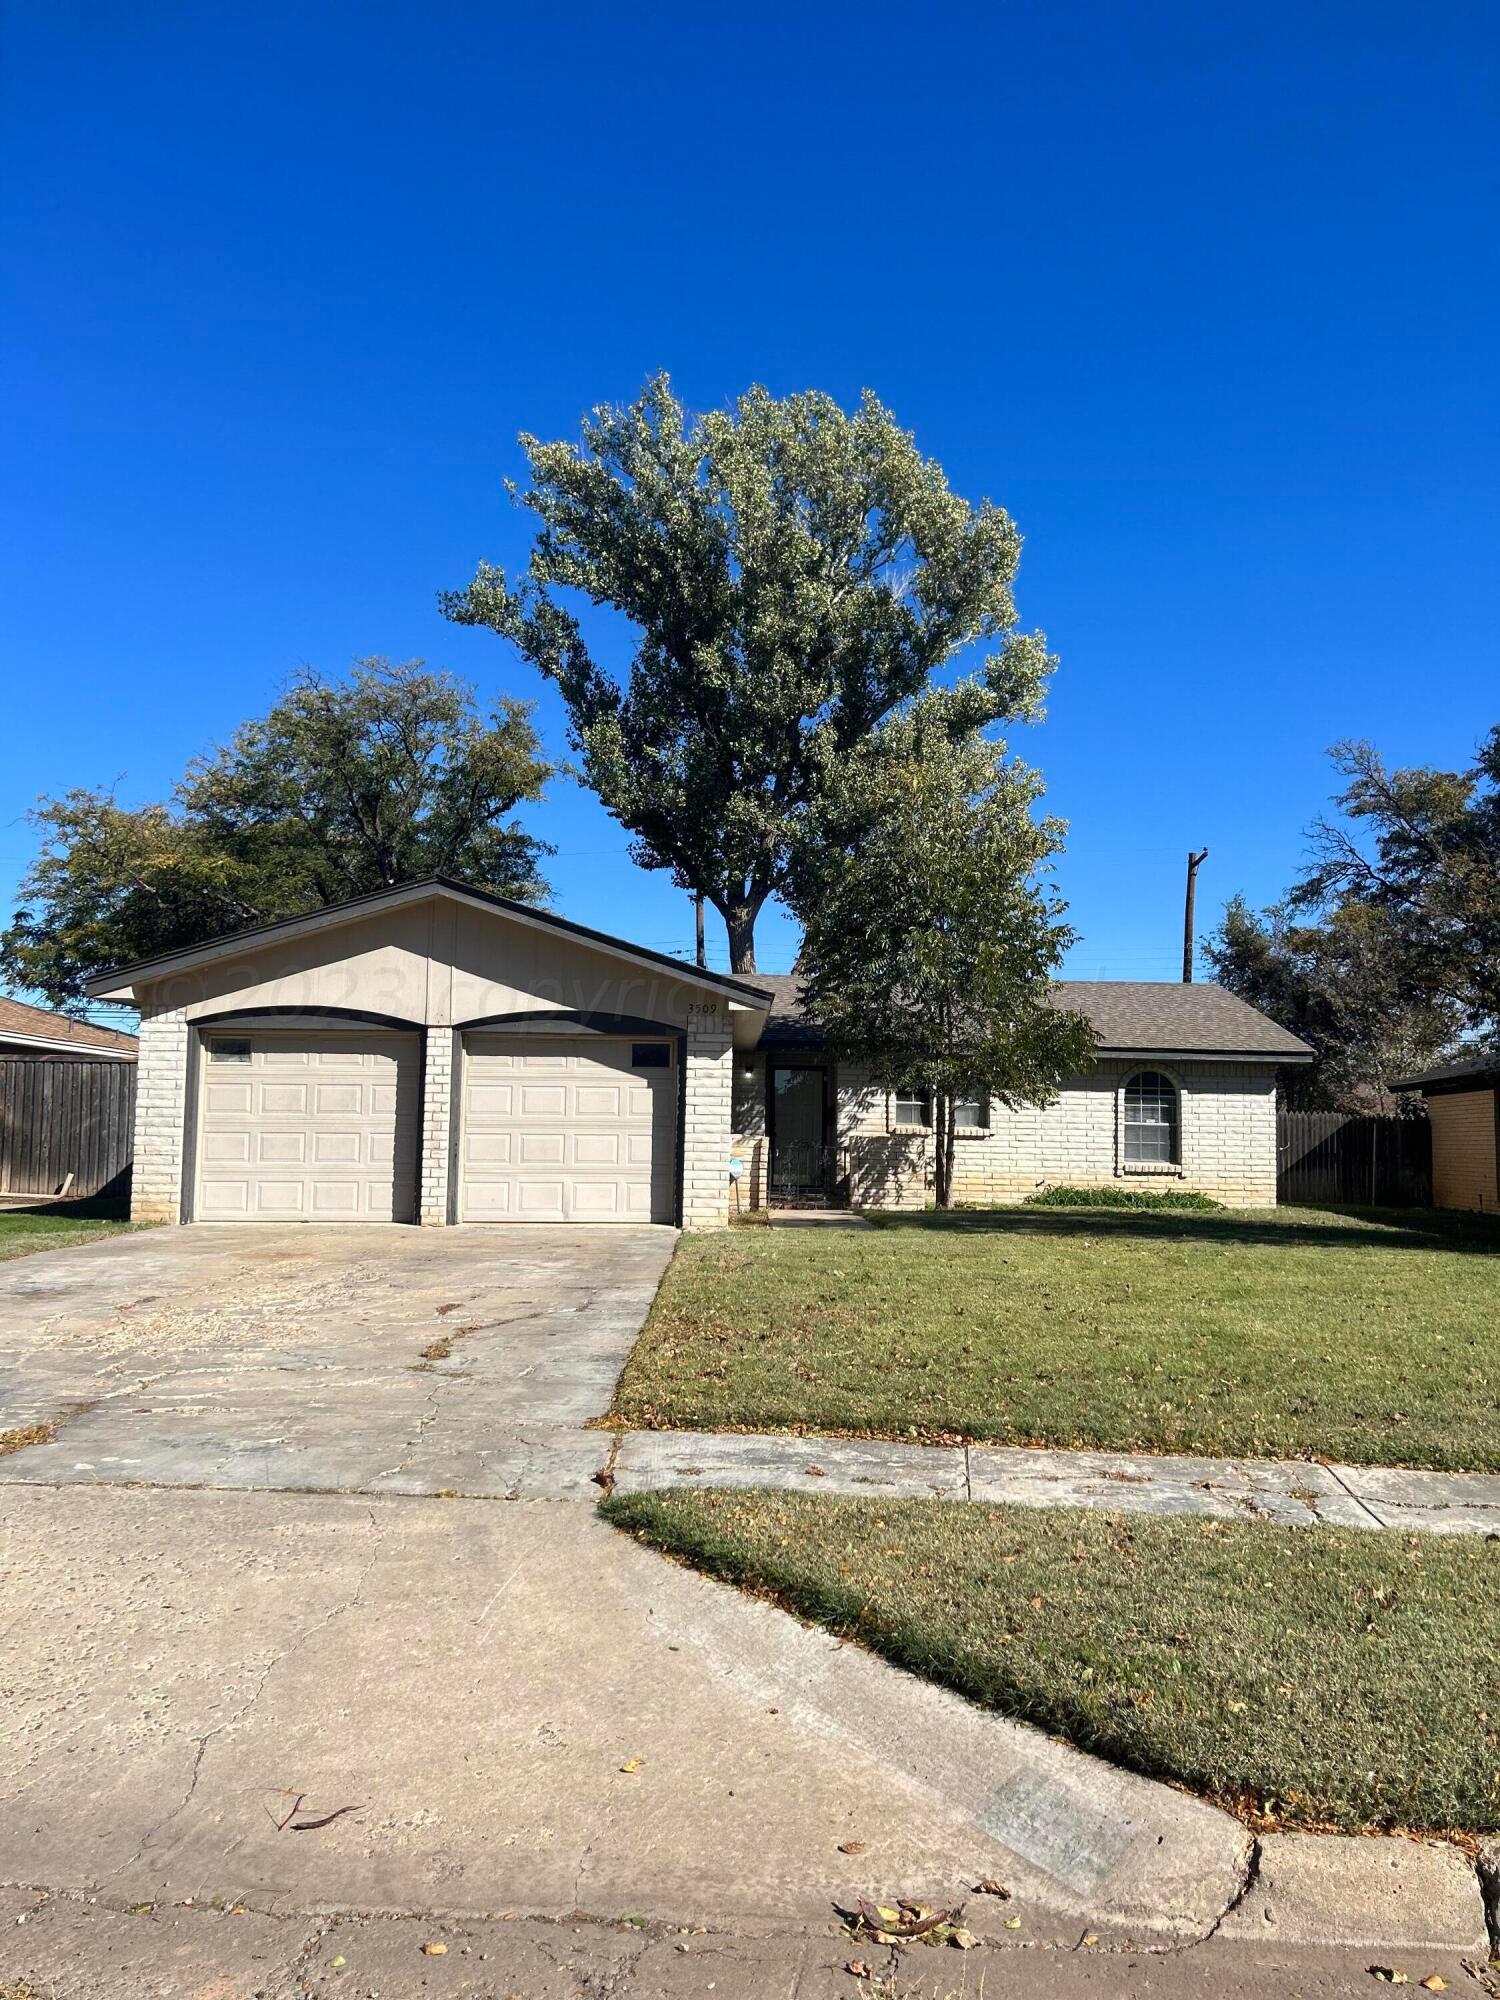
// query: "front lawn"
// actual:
[[1315, 1677], [57, 1225], [1367, 1337]]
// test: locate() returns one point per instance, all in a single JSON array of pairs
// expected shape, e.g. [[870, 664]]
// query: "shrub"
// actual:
[[1118, 1197]]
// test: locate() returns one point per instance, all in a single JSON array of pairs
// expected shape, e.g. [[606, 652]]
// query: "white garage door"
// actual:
[[308, 1127], [581, 1130]]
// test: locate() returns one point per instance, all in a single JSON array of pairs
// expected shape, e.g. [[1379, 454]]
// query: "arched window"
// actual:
[[1152, 1128]]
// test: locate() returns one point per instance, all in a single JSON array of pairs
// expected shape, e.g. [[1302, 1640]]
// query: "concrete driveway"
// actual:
[[313, 1359]]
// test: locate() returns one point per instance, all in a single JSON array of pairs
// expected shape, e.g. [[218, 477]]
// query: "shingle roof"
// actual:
[[1134, 1015], [17, 1017], [1480, 1069]]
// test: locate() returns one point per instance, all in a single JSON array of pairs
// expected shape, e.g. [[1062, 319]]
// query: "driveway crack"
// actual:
[[313, 1631]]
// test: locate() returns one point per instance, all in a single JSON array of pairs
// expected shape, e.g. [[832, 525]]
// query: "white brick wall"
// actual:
[[437, 1115], [1228, 1113], [706, 1139], [160, 1118]]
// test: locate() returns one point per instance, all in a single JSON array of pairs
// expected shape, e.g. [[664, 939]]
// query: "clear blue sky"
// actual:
[[1205, 295]]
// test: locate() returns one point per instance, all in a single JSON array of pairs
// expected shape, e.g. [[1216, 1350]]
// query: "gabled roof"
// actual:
[[1476, 1073], [1129, 1017], [21, 1022], [143, 971]]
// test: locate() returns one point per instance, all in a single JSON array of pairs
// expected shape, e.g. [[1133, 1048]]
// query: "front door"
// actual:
[[797, 1119]]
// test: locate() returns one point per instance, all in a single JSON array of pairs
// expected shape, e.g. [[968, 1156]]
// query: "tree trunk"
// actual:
[[942, 1119], [739, 920]]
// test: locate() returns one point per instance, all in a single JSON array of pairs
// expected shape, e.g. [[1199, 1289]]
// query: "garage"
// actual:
[[568, 1129], [308, 1126]]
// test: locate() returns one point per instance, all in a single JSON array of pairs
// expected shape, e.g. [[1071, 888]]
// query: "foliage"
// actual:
[[1365, 1337], [1420, 849], [1118, 1197], [1388, 949], [342, 788], [1323, 1677], [930, 939], [791, 574], [1342, 982]]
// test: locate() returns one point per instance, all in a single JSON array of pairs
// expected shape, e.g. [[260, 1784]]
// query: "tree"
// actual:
[[930, 934], [1421, 849], [1340, 983], [792, 574], [341, 788]]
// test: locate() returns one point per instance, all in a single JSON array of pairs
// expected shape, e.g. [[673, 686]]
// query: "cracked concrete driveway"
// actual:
[[268, 1357]]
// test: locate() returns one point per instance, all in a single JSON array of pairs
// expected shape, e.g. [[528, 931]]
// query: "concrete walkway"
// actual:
[[1295, 1492]]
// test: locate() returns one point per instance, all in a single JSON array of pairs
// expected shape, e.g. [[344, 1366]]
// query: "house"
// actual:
[[33, 1031], [1463, 1109], [434, 1053], [1182, 1094]]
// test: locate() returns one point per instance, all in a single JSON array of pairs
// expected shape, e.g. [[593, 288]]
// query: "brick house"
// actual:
[[432, 1053], [1463, 1109], [1183, 1094]]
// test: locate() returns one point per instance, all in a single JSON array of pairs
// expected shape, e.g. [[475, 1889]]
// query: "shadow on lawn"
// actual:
[[1362, 1228], [91, 1208]]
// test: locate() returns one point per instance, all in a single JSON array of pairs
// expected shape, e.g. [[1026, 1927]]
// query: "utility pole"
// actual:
[[1195, 862], [702, 947]]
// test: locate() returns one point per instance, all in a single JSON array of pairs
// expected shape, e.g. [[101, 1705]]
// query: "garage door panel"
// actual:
[[314, 1127], [585, 1135]]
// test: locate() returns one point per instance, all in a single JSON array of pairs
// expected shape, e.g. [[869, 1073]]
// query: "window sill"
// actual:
[[908, 1131], [1151, 1170], [971, 1132]]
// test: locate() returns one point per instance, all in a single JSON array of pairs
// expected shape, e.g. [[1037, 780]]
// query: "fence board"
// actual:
[[1326, 1156], [71, 1114]]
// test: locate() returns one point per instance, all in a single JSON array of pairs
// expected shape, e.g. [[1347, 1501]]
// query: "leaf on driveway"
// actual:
[[631, 1766]]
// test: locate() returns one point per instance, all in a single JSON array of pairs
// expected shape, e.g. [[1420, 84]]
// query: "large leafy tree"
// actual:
[[1339, 980], [1420, 849], [792, 574], [343, 787], [931, 931]]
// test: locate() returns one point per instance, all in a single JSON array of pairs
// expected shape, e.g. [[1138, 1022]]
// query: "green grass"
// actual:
[[1367, 1337], [1315, 1677], [55, 1227], [1119, 1197]]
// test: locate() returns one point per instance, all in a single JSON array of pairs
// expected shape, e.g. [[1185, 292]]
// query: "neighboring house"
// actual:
[[33, 1031], [1463, 1109], [1183, 1094], [432, 1052]]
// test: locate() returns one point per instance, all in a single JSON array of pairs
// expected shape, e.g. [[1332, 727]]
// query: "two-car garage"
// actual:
[[324, 1125]]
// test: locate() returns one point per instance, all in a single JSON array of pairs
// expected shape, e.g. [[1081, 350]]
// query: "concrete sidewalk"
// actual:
[[1295, 1492]]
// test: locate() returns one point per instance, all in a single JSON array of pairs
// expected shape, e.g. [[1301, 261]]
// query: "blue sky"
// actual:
[[1205, 296]]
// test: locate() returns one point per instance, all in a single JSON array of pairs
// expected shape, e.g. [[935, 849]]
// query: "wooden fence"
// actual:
[[68, 1115], [1324, 1156]]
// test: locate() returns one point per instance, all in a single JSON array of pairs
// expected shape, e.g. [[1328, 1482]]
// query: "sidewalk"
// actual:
[[1295, 1492]]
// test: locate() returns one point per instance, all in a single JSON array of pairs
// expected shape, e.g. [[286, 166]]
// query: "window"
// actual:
[[911, 1107], [649, 1055], [1151, 1126], [971, 1114], [225, 1051]]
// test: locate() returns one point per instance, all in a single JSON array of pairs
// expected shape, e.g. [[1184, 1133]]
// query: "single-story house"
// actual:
[[34, 1031], [1463, 1109], [433, 1053]]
